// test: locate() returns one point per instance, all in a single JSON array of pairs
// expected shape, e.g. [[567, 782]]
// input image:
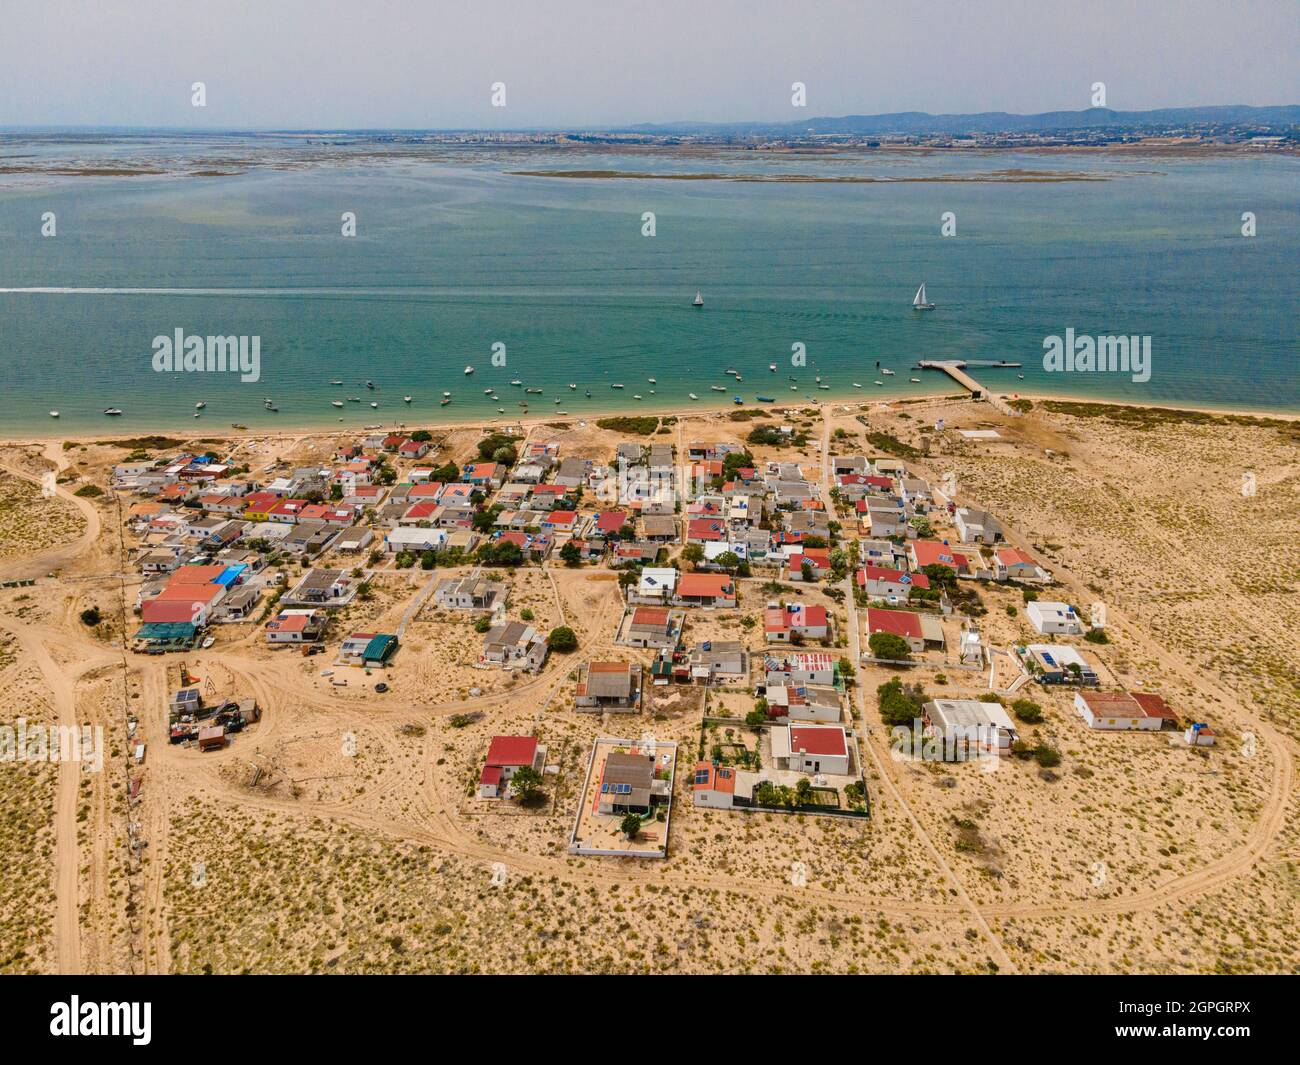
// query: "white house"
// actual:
[[657, 586], [811, 749], [969, 726], [506, 756], [1054, 618], [1122, 710], [410, 538]]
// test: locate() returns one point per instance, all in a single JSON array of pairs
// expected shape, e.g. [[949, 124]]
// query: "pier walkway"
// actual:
[[956, 369]]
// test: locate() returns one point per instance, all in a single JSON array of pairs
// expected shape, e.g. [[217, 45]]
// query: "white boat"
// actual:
[[888, 373], [208, 641], [856, 385], [501, 410], [445, 395], [571, 385], [336, 402], [374, 404], [469, 370], [691, 394], [739, 378], [636, 396], [406, 399], [615, 386], [826, 388], [517, 383], [915, 380], [336, 382], [443, 402], [652, 380], [112, 411], [199, 405], [1021, 376], [772, 366], [698, 301], [920, 302], [880, 382], [533, 391], [717, 388], [54, 414]]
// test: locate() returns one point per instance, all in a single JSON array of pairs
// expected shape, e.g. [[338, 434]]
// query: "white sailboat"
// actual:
[[469, 370], [920, 302], [698, 301]]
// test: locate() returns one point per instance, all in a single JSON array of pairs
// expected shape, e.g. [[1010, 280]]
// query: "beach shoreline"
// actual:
[[640, 410]]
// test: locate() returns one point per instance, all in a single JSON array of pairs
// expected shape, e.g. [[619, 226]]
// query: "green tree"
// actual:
[[728, 560], [563, 640], [630, 825], [570, 554], [693, 553], [526, 784], [889, 645], [1027, 711]]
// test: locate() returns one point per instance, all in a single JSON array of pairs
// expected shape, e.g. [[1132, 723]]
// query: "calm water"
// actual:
[[454, 254]]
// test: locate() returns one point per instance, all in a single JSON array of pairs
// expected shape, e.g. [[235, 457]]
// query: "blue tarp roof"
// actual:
[[165, 630], [230, 574], [379, 648]]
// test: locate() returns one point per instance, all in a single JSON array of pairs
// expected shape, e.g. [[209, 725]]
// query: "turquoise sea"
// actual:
[[455, 253]]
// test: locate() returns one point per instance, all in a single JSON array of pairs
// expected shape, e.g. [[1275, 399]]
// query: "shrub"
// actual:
[[90, 616], [899, 703], [1046, 756], [1096, 636], [562, 640], [888, 645], [1027, 711]]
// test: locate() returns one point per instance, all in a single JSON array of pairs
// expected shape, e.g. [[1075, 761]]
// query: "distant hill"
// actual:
[[920, 122]]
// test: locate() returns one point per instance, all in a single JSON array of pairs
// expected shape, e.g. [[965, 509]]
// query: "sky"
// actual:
[[429, 64]]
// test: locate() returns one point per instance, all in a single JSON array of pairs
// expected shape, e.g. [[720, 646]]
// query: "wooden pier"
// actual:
[[956, 369]]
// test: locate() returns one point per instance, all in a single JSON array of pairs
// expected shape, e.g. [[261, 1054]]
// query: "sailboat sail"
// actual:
[[920, 296]]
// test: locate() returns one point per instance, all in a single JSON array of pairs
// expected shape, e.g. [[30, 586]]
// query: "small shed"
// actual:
[[212, 738]]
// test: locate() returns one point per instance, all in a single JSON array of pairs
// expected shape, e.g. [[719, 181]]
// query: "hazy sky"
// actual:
[[430, 64]]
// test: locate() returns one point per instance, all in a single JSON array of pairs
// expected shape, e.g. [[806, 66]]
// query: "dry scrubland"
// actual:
[[363, 846], [26, 831], [30, 522]]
